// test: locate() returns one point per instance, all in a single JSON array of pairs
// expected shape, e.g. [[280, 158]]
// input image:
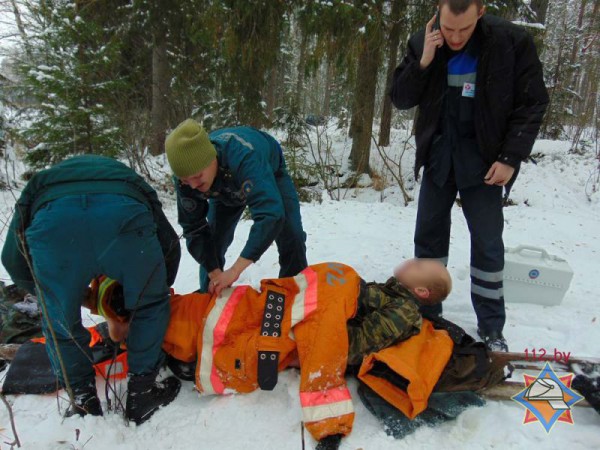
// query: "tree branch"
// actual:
[[11, 416]]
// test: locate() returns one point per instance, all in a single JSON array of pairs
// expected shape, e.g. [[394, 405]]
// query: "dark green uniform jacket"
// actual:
[[387, 313], [249, 163], [80, 175]]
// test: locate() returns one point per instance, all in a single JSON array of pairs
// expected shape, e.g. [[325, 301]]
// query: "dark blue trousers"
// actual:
[[76, 238], [482, 207], [291, 242]]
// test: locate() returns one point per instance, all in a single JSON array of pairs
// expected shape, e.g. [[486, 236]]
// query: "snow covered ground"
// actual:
[[552, 211]]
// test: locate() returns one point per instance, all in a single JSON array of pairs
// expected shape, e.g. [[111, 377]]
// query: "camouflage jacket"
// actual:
[[387, 313], [17, 324]]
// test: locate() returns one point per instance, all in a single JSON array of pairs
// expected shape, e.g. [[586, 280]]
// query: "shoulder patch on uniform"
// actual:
[[189, 205], [247, 186]]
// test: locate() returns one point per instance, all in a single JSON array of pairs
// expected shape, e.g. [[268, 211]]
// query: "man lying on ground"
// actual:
[[326, 318]]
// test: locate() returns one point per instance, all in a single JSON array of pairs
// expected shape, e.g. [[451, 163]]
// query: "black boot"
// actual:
[[589, 387], [183, 370], [86, 401], [145, 395], [494, 341], [330, 442]]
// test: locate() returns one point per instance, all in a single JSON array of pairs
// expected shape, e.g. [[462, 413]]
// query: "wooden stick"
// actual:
[[506, 390], [508, 357], [11, 416]]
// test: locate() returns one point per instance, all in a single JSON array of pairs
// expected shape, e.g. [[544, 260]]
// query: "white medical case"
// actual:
[[532, 275]]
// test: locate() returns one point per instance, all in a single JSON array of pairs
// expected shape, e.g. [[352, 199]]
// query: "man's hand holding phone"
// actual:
[[433, 41]]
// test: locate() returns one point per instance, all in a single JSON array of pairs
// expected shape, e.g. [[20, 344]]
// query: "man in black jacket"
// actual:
[[479, 86]]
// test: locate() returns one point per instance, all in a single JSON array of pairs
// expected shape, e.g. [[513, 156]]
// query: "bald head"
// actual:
[[428, 279]]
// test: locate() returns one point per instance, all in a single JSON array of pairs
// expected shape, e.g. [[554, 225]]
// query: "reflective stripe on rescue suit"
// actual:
[[225, 335]]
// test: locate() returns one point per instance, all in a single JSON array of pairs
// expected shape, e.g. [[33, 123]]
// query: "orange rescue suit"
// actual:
[[420, 360], [306, 315]]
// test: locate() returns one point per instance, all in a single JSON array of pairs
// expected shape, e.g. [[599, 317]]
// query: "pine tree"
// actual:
[[71, 78], [395, 29]]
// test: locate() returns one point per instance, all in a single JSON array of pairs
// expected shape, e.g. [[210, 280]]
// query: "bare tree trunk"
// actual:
[[313, 93], [576, 40], [301, 68], [575, 54], [540, 7], [83, 143], [394, 41], [552, 121], [354, 120], [363, 108], [328, 87], [588, 81], [18, 20], [271, 96], [160, 92]]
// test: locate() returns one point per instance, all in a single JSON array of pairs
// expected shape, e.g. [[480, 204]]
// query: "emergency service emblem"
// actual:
[[247, 186], [548, 398], [189, 205]]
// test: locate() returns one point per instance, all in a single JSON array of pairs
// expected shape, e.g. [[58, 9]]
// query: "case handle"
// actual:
[[531, 248]]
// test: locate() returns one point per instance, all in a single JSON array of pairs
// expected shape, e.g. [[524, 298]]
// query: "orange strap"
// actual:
[[118, 369]]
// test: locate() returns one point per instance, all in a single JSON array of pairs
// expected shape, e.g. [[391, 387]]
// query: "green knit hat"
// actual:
[[188, 149]]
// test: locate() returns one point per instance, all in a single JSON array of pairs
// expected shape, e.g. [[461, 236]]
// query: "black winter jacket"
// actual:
[[510, 95]]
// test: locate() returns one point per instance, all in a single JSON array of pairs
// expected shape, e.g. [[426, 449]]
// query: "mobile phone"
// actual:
[[436, 24]]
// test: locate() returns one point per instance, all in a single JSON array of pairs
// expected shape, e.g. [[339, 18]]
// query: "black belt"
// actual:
[[268, 362]]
